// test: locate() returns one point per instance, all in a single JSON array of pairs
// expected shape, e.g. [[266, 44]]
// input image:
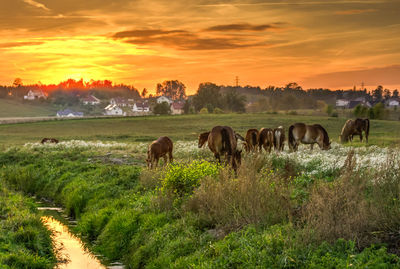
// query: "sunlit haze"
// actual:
[[330, 44]]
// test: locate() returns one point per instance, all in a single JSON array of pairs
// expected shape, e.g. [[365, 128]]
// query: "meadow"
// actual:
[[183, 127], [307, 209]]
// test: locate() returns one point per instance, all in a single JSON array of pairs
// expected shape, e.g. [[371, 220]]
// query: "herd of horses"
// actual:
[[223, 141]]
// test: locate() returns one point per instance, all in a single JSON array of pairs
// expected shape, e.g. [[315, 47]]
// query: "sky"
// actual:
[[333, 44]]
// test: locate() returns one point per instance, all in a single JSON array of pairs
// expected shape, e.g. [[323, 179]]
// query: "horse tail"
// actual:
[[290, 136], [226, 142], [367, 128], [254, 138]]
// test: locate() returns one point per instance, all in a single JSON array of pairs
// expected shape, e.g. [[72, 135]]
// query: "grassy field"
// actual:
[[14, 108], [185, 127]]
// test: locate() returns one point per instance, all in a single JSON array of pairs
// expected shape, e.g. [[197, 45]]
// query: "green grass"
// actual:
[[184, 127], [10, 108]]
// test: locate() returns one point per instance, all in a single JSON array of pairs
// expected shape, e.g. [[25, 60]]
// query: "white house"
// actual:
[[35, 94], [68, 113], [141, 107], [177, 108], [113, 110], [122, 102], [343, 103], [90, 100], [164, 99], [393, 102]]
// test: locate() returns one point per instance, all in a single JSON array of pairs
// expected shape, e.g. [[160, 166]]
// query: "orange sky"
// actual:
[[330, 43]]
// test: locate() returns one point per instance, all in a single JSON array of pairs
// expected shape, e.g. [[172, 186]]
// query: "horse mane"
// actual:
[[326, 137], [226, 142]]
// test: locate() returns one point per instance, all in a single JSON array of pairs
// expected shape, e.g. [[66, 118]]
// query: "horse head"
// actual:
[[236, 159], [327, 146], [203, 139]]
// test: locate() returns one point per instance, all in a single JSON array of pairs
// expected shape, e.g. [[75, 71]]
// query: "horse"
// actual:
[[308, 134], [265, 139], [203, 138], [251, 140], [279, 138], [354, 127], [159, 148], [222, 140], [49, 140]]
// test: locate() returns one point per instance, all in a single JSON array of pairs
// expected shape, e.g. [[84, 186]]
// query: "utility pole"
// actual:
[[237, 81]]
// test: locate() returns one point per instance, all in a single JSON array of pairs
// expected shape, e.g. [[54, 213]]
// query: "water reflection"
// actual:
[[69, 247]]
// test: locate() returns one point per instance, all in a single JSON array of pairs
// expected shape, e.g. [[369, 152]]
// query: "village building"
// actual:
[[393, 102], [141, 107], [122, 102], [68, 113], [162, 99], [35, 94], [342, 103], [90, 100], [177, 107], [114, 110]]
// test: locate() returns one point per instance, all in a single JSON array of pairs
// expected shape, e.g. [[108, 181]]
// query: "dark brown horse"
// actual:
[[49, 140], [279, 138], [308, 134], [266, 139], [159, 148], [222, 141], [251, 140], [354, 127]]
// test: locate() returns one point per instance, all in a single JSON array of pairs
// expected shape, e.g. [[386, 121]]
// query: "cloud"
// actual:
[[19, 44], [354, 11], [387, 75], [36, 4], [242, 27], [183, 40]]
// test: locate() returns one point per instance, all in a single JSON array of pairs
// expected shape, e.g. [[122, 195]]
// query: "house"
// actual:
[[354, 103], [122, 102], [393, 102], [90, 100], [162, 99], [142, 107], [342, 103], [114, 110], [177, 107], [35, 94], [68, 113]]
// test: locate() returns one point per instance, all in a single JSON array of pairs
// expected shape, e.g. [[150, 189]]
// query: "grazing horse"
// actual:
[[279, 138], [49, 140], [159, 148], [222, 140], [251, 140], [308, 134], [266, 139], [354, 127], [203, 138]]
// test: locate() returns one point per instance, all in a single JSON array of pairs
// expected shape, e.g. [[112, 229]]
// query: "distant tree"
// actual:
[[293, 86], [208, 93], [360, 111], [329, 110], [377, 93], [210, 108], [144, 92], [234, 101], [395, 93], [17, 82], [173, 89], [186, 107], [162, 109], [387, 94]]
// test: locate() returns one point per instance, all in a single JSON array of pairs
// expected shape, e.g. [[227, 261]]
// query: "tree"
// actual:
[[386, 94], [144, 92], [234, 101], [162, 109], [395, 93], [377, 93], [17, 82], [173, 89], [208, 93]]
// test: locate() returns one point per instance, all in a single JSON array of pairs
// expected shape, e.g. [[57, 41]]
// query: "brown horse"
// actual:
[[222, 141], [354, 127], [308, 134], [49, 140], [203, 138], [159, 148], [279, 138], [266, 139], [251, 140]]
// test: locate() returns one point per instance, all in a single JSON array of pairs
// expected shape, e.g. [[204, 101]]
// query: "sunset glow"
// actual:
[[332, 44]]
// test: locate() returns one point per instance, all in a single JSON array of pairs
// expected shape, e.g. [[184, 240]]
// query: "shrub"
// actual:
[[217, 110], [181, 179], [203, 111]]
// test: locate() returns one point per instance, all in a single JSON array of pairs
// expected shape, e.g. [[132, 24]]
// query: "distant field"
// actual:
[[13, 108], [185, 127]]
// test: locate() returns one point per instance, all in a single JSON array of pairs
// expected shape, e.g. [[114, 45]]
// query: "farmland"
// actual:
[[335, 208]]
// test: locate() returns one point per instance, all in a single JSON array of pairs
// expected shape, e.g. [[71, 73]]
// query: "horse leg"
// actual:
[[156, 159], [165, 159], [218, 157], [312, 147], [170, 156], [366, 138]]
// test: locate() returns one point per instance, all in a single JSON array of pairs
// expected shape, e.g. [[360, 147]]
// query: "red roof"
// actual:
[[177, 105]]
